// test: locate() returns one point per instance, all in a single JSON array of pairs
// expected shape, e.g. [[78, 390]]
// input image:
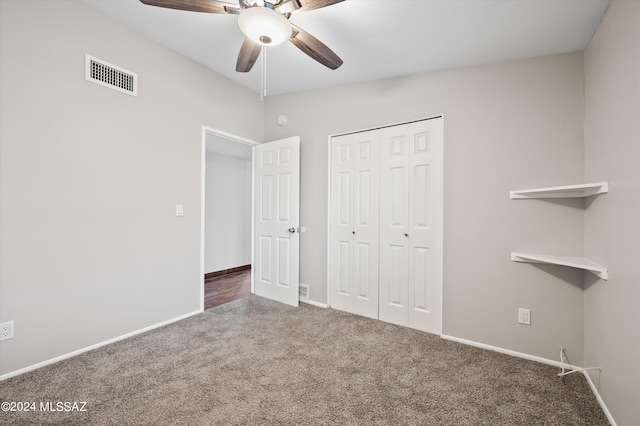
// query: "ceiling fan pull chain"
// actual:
[[264, 71]]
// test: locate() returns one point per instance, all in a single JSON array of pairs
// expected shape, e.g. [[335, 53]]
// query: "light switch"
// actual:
[[179, 210]]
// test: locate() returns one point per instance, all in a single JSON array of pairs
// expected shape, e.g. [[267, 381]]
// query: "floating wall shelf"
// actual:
[[573, 262], [567, 191]]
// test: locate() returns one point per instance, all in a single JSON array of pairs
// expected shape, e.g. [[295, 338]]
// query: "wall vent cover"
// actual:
[[303, 292], [109, 75]]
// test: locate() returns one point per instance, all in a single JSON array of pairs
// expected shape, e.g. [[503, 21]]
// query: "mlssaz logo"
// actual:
[[65, 406]]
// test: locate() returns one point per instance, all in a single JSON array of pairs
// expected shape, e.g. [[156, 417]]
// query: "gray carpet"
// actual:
[[254, 362]]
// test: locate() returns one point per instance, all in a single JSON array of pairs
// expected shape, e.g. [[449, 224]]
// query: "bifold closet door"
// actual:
[[354, 223], [411, 225], [394, 225]]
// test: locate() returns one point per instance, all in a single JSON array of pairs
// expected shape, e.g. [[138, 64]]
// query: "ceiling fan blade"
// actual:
[[314, 48], [315, 4], [207, 6], [248, 55]]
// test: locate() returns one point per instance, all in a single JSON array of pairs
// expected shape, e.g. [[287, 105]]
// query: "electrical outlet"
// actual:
[[6, 330], [524, 316]]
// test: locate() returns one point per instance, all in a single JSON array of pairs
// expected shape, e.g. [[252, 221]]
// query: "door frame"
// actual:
[[203, 163], [441, 236]]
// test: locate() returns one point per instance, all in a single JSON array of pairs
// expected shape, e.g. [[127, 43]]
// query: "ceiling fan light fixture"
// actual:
[[264, 26]]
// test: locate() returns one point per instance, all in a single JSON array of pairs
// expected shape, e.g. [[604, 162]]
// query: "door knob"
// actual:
[[292, 230], [406, 235]]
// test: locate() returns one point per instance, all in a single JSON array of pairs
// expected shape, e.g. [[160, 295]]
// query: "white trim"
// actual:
[[599, 398], [317, 304], [509, 352], [541, 360], [96, 346], [400, 123], [229, 136], [442, 218], [203, 173], [329, 154], [253, 216]]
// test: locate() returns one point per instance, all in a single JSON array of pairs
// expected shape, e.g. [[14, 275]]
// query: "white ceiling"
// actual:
[[377, 39]]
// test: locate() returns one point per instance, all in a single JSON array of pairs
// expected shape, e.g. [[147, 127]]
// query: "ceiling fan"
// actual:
[[264, 23]]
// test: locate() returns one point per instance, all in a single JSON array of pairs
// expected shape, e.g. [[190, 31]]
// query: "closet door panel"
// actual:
[[341, 224], [393, 285], [397, 195], [344, 196], [366, 222], [354, 223], [362, 276], [420, 198], [425, 218], [419, 279], [394, 192], [419, 242], [343, 267]]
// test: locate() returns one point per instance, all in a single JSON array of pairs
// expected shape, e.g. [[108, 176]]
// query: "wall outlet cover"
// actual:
[[524, 316], [6, 330]]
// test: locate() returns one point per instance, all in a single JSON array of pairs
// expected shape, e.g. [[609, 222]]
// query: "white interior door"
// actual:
[[276, 227], [354, 223]]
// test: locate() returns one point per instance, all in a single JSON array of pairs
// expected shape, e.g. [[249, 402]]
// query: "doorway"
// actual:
[[273, 218], [227, 217]]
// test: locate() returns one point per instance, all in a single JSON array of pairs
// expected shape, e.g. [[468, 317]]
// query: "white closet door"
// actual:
[[394, 225], [425, 226], [411, 225], [354, 223]]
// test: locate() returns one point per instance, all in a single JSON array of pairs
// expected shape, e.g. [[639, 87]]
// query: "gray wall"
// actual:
[[612, 152], [506, 126], [227, 228], [91, 248]]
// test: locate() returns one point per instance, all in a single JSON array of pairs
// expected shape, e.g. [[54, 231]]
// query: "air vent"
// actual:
[[109, 75], [303, 292]]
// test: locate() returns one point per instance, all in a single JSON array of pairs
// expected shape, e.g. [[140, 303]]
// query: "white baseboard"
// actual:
[[95, 346], [542, 360], [594, 389], [509, 352], [318, 304]]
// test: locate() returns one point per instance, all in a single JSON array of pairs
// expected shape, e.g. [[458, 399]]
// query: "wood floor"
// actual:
[[227, 288]]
